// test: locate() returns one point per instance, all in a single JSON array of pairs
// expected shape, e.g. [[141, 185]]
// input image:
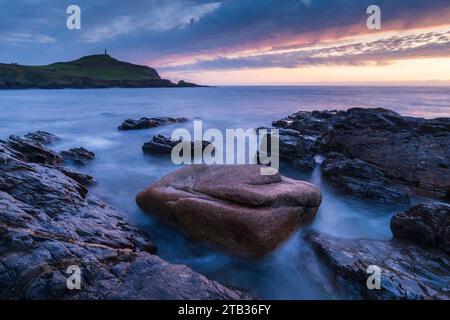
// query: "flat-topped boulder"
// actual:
[[232, 206], [148, 123]]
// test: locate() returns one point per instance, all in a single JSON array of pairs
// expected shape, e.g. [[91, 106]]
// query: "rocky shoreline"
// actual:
[[372, 152], [381, 155], [415, 264], [49, 222]]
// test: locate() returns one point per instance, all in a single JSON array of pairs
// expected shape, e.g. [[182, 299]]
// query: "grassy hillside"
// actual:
[[103, 67], [96, 71]]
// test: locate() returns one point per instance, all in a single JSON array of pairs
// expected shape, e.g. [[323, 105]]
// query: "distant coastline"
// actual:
[[89, 72]]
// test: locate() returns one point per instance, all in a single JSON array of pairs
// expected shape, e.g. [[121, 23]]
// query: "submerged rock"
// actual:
[[407, 271], [412, 151], [78, 156], [49, 221], [426, 224], [162, 145], [232, 206], [147, 123], [361, 178]]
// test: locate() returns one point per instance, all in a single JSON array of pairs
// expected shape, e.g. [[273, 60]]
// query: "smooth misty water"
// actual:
[[90, 118]]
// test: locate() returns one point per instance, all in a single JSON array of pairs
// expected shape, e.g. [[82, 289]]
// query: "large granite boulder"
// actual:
[[412, 151], [232, 206], [361, 178], [49, 221], [147, 123], [427, 224]]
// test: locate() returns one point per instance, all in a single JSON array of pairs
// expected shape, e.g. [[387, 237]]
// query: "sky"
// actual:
[[241, 42]]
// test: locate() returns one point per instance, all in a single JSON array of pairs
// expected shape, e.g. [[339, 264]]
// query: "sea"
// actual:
[[90, 118]]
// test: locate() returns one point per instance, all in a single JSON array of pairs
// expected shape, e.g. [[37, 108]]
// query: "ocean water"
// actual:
[[90, 118]]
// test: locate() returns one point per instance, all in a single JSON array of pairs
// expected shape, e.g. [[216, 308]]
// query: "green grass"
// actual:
[[100, 67]]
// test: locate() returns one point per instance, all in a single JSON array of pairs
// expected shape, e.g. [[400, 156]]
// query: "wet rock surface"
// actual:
[[147, 123], [163, 145], [78, 156], [49, 221], [414, 265], [426, 224], [232, 206], [28, 150], [41, 137], [297, 149], [408, 271], [412, 151], [362, 178]]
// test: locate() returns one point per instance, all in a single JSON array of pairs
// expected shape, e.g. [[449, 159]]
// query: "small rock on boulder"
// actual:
[[232, 206]]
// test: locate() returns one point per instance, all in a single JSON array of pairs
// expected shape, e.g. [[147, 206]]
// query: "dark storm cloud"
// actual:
[[151, 30]]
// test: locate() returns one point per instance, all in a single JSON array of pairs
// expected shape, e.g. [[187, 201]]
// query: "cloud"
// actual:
[[381, 51], [119, 26], [27, 37], [172, 15], [158, 33]]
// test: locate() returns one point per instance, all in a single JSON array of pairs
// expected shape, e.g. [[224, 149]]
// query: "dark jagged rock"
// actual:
[[48, 222], [82, 178], [41, 137], [407, 271], [297, 149], [315, 123], [361, 178], [412, 151], [147, 123], [232, 206], [162, 145], [77, 156], [185, 84], [30, 151], [426, 224]]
